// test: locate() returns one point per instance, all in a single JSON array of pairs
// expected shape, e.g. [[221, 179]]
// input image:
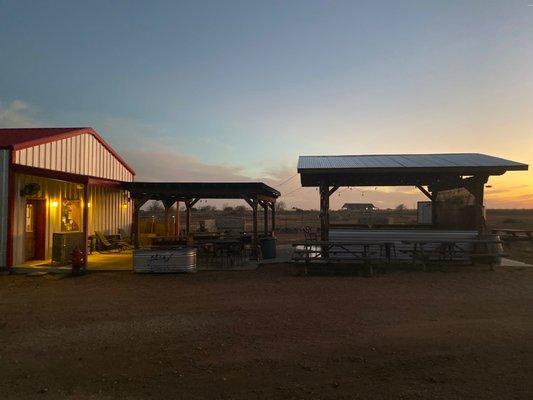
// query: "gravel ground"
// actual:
[[267, 335]]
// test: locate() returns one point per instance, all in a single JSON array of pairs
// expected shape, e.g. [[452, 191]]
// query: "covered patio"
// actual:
[[454, 184], [440, 177], [255, 194]]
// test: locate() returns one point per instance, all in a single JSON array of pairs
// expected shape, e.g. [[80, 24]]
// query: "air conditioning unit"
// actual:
[[64, 243]]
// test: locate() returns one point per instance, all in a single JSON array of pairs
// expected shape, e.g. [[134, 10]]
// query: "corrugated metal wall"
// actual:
[[4, 195], [82, 155], [106, 211], [109, 210]]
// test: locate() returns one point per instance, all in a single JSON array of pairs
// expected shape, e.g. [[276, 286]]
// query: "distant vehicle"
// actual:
[[359, 207]]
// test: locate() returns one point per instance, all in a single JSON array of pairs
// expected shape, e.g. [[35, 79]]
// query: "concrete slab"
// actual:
[[507, 262]]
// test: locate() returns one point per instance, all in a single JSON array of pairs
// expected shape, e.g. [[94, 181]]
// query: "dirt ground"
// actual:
[[463, 333]]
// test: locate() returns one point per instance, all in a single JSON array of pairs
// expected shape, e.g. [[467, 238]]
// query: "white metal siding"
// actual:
[[4, 211], [82, 155], [106, 212]]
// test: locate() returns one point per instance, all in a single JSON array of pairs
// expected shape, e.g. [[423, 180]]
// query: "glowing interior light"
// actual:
[[54, 203]]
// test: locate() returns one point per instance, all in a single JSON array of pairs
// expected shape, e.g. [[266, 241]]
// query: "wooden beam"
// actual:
[[249, 201], [426, 192], [333, 190]]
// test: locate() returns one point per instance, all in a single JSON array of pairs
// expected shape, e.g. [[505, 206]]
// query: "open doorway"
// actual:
[[35, 229]]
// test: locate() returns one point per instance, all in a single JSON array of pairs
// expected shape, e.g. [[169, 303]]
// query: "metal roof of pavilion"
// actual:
[[399, 169], [204, 190]]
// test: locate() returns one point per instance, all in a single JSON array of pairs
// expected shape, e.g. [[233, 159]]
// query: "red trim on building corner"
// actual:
[[10, 210]]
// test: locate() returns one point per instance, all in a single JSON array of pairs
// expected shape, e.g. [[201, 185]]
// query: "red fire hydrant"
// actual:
[[78, 261]]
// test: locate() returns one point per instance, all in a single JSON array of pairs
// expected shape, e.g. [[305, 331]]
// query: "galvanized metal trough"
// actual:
[[167, 260]]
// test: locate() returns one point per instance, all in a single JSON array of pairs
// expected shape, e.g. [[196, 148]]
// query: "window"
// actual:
[[29, 217]]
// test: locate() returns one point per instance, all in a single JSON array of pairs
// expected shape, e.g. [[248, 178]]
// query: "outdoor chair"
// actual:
[[124, 236], [106, 245], [310, 234]]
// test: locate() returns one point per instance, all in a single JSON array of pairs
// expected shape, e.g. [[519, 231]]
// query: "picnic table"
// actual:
[[362, 251], [514, 234], [452, 249], [230, 251]]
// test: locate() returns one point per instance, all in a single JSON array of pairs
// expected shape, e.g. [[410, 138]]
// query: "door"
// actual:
[[35, 230]]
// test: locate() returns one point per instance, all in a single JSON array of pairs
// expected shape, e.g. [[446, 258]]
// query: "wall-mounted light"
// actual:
[[89, 204], [124, 205], [54, 204]]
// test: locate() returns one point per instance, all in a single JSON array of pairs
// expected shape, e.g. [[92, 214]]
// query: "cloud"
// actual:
[[174, 166], [16, 115]]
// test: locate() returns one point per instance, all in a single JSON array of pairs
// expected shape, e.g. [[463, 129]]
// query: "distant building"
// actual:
[[359, 207]]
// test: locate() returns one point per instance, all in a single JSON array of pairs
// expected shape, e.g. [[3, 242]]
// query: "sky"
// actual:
[[237, 90]]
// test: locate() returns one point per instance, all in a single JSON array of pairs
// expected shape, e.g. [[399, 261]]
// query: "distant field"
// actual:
[[293, 221]]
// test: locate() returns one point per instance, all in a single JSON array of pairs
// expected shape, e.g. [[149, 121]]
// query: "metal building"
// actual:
[[58, 180]]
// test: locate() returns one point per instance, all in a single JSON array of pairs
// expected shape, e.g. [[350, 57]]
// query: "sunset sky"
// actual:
[[236, 90]]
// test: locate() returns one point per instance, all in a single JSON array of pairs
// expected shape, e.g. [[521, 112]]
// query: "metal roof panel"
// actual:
[[401, 161]]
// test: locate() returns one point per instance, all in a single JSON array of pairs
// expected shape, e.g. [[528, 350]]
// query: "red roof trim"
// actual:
[[61, 133]]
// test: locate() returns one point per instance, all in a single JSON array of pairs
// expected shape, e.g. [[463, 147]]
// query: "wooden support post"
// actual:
[[265, 217], [324, 211], [273, 214], [189, 204], [434, 211], [255, 239], [167, 203], [476, 186], [135, 231], [187, 218], [431, 195], [177, 220], [166, 220], [85, 222]]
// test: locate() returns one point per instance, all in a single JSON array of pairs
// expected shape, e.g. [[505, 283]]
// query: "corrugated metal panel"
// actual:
[[82, 155], [106, 212], [4, 195], [405, 161]]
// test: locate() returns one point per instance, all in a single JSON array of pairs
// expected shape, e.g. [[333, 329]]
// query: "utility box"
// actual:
[[424, 213]]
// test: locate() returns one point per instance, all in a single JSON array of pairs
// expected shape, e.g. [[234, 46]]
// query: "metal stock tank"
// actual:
[[164, 260]]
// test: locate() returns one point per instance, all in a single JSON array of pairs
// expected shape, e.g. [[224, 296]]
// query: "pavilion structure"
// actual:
[[431, 173], [256, 194]]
